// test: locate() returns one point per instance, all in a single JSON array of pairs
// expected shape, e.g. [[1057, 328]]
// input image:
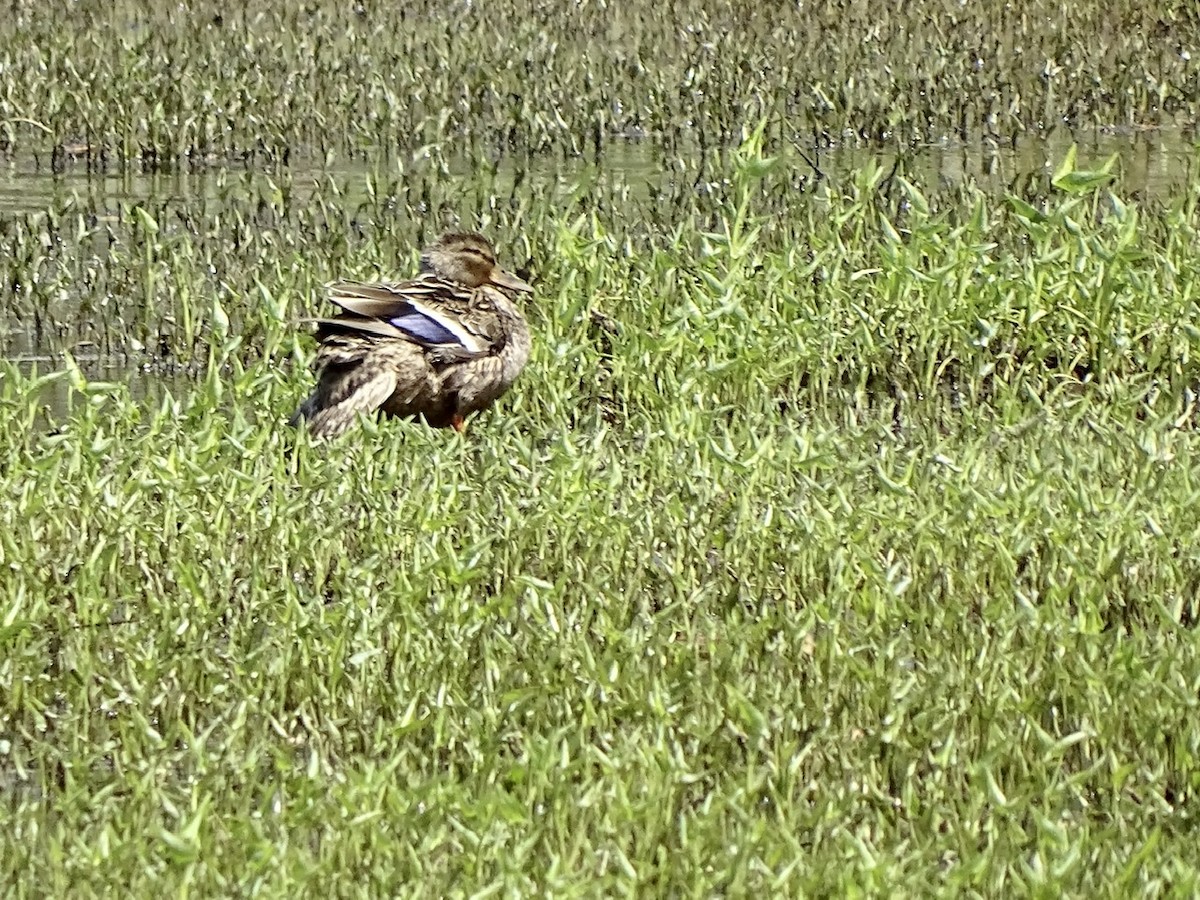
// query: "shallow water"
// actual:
[[1154, 164]]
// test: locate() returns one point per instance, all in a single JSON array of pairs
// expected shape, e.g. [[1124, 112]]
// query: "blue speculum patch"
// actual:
[[425, 329]]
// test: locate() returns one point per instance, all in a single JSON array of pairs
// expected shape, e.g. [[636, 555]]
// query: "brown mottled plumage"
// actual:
[[441, 346]]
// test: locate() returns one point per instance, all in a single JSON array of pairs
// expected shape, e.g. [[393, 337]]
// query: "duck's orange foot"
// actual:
[[458, 423]]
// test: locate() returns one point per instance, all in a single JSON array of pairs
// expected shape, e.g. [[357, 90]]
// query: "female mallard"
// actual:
[[441, 346]]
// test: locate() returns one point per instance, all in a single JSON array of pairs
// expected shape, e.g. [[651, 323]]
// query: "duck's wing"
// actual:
[[352, 381], [426, 310], [357, 325]]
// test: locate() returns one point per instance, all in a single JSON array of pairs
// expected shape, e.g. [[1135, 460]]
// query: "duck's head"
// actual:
[[469, 259]]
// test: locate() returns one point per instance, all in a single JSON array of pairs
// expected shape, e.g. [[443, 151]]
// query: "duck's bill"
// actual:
[[510, 281]]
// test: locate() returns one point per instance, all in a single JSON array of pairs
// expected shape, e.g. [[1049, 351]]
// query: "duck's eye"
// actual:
[[477, 266], [479, 254]]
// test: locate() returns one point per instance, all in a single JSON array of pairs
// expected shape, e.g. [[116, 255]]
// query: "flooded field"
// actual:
[[839, 537], [631, 181]]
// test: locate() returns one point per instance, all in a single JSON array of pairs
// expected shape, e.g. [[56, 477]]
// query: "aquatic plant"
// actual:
[[839, 537]]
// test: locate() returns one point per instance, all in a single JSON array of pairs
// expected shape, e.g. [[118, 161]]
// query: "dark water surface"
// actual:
[[1153, 164]]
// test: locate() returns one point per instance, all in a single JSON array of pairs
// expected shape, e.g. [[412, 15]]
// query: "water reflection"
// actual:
[[145, 386], [1154, 164]]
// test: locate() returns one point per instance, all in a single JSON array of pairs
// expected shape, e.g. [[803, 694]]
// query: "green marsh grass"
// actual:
[[118, 84], [840, 537], [852, 553]]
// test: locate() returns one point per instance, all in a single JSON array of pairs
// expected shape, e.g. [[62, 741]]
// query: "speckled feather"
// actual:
[[440, 346]]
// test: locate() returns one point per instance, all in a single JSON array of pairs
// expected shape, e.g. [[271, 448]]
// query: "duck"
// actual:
[[439, 347]]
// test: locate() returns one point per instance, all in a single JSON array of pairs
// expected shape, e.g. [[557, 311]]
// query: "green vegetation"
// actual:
[[207, 81], [840, 538]]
